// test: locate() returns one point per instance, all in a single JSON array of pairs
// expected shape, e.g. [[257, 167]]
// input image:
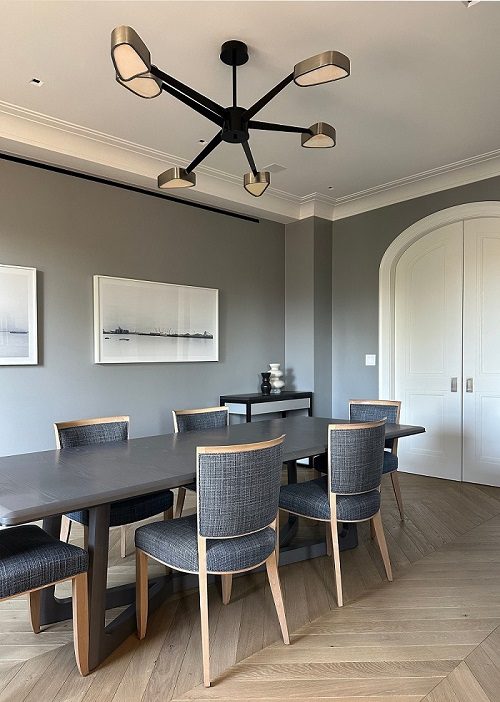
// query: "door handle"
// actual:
[[454, 385], [469, 385]]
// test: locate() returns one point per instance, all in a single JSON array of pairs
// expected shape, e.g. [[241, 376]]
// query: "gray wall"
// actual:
[[70, 229], [308, 305], [359, 243]]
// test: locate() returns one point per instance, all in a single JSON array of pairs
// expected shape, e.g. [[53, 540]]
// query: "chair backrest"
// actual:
[[373, 410], [355, 457], [199, 419], [83, 432], [238, 487]]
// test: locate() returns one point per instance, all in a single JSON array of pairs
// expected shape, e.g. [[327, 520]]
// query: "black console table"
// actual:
[[257, 403]]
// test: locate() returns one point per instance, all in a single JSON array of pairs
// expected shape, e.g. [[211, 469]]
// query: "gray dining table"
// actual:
[[46, 484]]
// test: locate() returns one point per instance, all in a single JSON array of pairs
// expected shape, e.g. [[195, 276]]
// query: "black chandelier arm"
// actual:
[[192, 104], [248, 153], [189, 92], [204, 153], [272, 127], [267, 97]]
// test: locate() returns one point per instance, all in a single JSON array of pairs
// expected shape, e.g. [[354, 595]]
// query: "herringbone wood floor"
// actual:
[[431, 635]]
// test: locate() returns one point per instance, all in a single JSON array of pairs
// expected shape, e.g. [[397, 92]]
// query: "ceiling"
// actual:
[[423, 93]]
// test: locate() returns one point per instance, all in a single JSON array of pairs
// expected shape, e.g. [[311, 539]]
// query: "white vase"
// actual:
[[276, 378]]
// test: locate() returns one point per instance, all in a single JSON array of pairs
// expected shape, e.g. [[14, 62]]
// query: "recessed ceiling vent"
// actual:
[[274, 168]]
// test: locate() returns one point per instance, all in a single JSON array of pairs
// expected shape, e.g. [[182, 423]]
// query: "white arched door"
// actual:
[[447, 350]]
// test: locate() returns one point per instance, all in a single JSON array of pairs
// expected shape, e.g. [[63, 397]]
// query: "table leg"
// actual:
[[289, 530], [53, 609], [98, 573], [348, 534], [249, 412]]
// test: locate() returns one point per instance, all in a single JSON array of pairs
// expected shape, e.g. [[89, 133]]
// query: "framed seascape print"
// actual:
[[138, 321], [18, 325]]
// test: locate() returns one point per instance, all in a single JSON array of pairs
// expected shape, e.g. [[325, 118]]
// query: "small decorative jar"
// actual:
[[277, 382], [265, 387]]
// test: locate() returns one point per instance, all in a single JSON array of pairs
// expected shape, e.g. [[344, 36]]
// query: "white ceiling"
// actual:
[[423, 92]]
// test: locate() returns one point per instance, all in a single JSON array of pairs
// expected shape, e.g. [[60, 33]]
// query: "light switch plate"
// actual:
[[370, 359]]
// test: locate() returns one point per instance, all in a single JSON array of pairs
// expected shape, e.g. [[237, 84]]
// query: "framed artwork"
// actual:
[[138, 321], [18, 322]]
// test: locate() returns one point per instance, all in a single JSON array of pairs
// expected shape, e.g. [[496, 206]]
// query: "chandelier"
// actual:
[[134, 71]]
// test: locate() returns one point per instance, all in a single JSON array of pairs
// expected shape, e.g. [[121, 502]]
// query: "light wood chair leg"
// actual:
[[329, 546], [123, 541], [141, 592], [81, 622], [397, 493], [65, 528], [336, 561], [34, 597], [227, 585], [179, 505], [379, 531], [205, 641], [274, 582]]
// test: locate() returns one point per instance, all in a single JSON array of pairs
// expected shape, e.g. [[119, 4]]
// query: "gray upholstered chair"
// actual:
[[31, 560], [234, 530], [196, 420], [351, 490], [84, 432], [371, 411]]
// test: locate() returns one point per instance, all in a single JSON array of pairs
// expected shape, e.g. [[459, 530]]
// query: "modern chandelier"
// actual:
[[134, 71]]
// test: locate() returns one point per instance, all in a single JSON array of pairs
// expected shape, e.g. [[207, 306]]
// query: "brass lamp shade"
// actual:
[[130, 55], [322, 68], [176, 178], [145, 86], [323, 136], [256, 184]]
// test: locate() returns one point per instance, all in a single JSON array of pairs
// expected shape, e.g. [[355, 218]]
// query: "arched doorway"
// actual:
[[421, 356]]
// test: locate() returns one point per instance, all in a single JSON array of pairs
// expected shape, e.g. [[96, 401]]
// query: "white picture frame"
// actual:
[[18, 316], [141, 321]]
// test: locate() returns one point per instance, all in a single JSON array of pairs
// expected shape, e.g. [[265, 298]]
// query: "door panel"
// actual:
[[482, 351], [428, 343]]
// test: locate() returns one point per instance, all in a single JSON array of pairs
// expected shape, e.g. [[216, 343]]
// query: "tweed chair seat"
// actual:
[[176, 543], [390, 462], [30, 558], [311, 499], [129, 511]]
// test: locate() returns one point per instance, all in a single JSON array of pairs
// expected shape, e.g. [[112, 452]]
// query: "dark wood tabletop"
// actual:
[[37, 485]]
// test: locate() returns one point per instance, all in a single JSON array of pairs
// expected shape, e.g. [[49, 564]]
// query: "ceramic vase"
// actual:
[[265, 387], [277, 382]]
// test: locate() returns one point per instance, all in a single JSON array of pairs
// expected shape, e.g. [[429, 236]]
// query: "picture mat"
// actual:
[[18, 316], [137, 321]]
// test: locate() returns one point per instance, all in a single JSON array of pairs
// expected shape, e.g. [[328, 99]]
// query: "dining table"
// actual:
[[45, 485]]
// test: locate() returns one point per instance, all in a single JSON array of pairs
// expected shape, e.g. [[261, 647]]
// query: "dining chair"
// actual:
[[234, 530], [390, 410], [85, 432], [196, 420], [31, 560], [349, 493]]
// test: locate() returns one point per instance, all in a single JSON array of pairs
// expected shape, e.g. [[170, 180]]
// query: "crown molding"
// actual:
[[453, 175], [31, 134]]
